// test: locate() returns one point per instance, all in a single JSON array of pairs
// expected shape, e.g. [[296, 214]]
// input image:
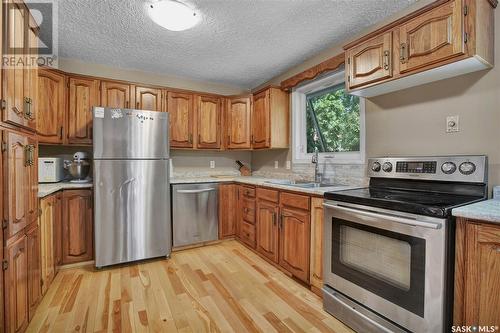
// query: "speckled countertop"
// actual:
[[260, 181], [488, 210], [49, 188]]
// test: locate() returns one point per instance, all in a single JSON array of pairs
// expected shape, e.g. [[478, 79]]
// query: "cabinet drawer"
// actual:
[[269, 195], [248, 210], [248, 233], [294, 200], [247, 191]]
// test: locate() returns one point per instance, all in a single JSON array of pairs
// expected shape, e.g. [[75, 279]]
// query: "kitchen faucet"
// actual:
[[315, 160]]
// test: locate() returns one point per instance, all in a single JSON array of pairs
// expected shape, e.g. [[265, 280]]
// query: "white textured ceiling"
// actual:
[[238, 42]]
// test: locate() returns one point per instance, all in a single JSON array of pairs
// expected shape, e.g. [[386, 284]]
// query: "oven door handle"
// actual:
[[392, 218]]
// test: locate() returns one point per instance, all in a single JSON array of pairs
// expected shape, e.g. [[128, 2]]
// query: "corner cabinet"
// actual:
[[238, 122], [77, 226], [51, 106], [477, 268], [441, 40], [270, 119], [83, 96]]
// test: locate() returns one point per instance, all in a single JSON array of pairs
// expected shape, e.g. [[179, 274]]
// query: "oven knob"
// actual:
[[448, 168], [467, 168], [376, 166], [387, 167]]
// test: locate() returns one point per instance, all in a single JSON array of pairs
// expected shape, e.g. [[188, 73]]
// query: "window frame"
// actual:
[[299, 123]]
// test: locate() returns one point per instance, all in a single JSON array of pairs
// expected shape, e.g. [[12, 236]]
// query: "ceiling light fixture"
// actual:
[[173, 15]]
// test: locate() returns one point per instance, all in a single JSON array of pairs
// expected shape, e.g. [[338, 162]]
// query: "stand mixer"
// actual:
[[79, 167]]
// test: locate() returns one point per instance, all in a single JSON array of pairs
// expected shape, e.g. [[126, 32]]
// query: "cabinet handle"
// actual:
[[61, 133], [386, 60], [402, 53], [137, 104], [228, 139], [199, 138], [126, 104], [28, 114], [27, 156], [190, 138]]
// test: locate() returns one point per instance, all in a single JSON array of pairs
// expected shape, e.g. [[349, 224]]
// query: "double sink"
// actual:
[[301, 184]]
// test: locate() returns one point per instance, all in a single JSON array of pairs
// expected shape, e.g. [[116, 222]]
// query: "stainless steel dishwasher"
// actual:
[[195, 213]]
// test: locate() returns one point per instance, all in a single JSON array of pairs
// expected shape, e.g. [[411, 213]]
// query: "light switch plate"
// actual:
[[288, 165], [276, 164], [212, 164], [452, 124]]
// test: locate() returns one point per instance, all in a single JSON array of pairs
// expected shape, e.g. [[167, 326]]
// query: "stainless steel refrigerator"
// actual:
[[131, 185]]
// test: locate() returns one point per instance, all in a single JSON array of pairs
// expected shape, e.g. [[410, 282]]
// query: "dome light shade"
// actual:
[[172, 15]]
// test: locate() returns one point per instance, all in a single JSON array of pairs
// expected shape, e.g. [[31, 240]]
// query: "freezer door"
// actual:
[[130, 134], [132, 210], [195, 213]]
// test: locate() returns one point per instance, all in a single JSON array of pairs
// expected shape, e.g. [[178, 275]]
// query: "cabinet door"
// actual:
[[51, 106], [83, 96], [370, 61], [32, 180], [148, 99], [16, 286], [316, 275], [227, 210], [267, 229], [209, 112], [482, 285], [239, 123], [34, 276], [180, 108], [31, 78], [17, 179], [115, 95], [58, 211], [295, 242], [47, 228], [432, 37], [14, 85], [261, 134], [77, 229]]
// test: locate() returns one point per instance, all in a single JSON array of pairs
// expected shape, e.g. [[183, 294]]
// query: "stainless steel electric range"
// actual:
[[389, 248]]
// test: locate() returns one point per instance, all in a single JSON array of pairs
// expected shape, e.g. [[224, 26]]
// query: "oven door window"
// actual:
[[388, 264]]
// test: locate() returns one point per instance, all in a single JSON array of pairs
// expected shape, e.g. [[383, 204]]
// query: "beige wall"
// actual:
[[412, 121], [80, 67]]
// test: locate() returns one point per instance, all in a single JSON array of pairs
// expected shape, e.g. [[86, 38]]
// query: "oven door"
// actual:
[[390, 262]]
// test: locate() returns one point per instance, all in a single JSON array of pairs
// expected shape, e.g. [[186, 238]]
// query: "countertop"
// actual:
[[45, 189], [260, 181], [488, 210]]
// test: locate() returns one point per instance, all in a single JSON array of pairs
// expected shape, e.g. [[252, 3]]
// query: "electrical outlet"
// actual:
[[276, 164], [212, 164], [452, 123], [288, 165]]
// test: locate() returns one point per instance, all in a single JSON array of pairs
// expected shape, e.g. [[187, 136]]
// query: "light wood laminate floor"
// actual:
[[218, 288]]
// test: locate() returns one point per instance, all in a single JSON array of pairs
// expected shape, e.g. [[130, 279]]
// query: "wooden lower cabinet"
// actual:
[[47, 221], [267, 214], [58, 211], [16, 285], [228, 196], [477, 271], [34, 272], [316, 273], [77, 226]]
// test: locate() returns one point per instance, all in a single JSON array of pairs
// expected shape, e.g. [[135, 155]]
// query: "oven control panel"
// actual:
[[469, 168]]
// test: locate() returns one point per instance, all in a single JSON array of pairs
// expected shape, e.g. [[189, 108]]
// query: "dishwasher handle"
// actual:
[[196, 191]]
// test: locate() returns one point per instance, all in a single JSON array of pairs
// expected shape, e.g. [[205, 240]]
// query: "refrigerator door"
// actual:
[[130, 134], [132, 210]]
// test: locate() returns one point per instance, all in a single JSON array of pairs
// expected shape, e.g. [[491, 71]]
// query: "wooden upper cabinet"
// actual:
[[228, 201], [370, 61], [16, 286], [238, 123], [77, 226], [34, 275], [51, 106], [180, 109], [116, 94], [147, 98], [267, 232], [270, 119], [83, 96], [208, 121], [432, 37], [16, 186], [477, 299]]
